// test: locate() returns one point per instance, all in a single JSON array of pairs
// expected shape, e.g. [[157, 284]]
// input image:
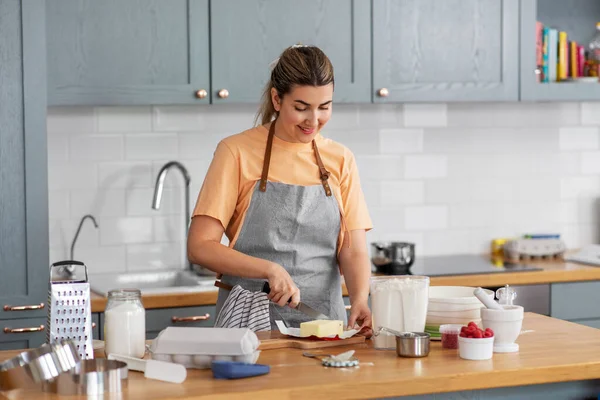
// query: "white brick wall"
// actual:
[[448, 177]]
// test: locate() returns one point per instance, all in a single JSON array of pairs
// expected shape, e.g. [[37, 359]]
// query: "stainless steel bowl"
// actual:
[[392, 258], [90, 377], [413, 344], [34, 366]]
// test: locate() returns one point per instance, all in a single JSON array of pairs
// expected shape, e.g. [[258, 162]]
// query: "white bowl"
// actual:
[[506, 325], [475, 349], [437, 320], [455, 294], [439, 306], [462, 314]]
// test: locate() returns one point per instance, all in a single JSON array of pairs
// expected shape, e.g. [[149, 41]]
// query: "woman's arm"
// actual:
[[356, 266], [204, 248]]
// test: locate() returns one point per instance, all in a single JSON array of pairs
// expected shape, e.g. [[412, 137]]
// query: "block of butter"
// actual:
[[321, 328]]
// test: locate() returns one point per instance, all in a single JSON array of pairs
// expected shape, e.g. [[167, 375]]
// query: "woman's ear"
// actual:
[[275, 99]]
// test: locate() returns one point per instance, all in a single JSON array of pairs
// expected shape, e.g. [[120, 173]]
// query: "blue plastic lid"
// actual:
[[237, 370]]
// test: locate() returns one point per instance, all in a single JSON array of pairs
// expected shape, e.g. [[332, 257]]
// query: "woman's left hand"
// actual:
[[361, 314]]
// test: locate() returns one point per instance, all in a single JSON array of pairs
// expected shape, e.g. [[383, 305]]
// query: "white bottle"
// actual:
[[125, 324]]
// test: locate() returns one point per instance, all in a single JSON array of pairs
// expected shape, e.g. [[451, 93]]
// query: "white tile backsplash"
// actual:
[[124, 119], [400, 141], [425, 166], [448, 177], [590, 113], [423, 115], [578, 138]]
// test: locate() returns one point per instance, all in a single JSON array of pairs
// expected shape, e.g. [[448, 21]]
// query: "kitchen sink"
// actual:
[[152, 282]]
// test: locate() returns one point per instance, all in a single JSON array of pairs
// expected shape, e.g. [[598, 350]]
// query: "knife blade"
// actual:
[[302, 307]]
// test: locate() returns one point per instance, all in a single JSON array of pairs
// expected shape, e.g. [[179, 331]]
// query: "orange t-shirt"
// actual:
[[237, 166]]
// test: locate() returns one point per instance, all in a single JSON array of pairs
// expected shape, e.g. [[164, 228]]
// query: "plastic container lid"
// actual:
[[450, 328]]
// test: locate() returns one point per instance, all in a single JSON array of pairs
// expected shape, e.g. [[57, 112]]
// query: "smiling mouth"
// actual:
[[307, 131]]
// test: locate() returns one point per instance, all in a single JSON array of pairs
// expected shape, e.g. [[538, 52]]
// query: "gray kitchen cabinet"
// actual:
[[577, 18], [444, 51], [575, 300], [25, 333], [160, 318], [24, 257], [245, 42], [122, 52]]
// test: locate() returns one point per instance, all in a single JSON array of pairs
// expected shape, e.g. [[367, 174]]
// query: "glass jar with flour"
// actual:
[[398, 303], [125, 323]]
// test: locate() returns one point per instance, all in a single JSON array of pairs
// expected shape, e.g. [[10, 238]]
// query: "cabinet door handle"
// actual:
[[223, 93], [24, 308], [24, 330], [383, 92], [93, 325], [191, 319], [201, 94], [348, 307]]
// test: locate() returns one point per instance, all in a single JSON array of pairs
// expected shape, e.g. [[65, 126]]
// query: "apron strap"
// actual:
[[267, 161], [324, 173]]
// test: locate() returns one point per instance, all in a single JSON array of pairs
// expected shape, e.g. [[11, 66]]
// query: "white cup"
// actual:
[[506, 324]]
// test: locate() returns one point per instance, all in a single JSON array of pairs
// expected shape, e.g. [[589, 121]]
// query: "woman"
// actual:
[[290, 202]]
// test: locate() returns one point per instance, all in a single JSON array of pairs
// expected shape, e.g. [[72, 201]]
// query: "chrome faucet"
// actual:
[[158, 191], [79, 229]]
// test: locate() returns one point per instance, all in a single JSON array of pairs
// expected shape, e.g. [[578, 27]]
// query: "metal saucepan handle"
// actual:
[[24, 308], [24, 330], [191, 319]]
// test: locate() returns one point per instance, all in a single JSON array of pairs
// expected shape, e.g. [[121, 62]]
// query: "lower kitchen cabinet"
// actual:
[[593, 323], [22, 333], [96, 331], [575, 300], [159, 319]]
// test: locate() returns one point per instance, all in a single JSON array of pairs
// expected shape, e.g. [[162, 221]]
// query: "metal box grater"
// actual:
[[69, 309]]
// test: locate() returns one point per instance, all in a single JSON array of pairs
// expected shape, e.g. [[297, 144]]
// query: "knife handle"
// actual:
[[267, 289]]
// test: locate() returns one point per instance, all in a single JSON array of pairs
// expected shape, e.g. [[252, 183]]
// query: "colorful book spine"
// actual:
[[562, 56], [539, 49], [552, 54], [574, 60], [545, 71]]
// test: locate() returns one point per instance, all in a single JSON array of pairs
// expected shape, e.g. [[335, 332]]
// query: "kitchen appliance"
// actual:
[[392, 258], [69, 310]]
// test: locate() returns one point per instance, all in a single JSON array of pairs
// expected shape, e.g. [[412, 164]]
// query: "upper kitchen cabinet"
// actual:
[[23, 171], [245, 41], [577, 19], [125, 52], [451, 50]]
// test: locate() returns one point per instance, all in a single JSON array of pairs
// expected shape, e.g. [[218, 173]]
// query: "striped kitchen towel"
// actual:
[[245, 309]]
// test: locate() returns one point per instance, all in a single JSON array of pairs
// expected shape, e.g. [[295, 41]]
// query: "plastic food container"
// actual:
[[450, 334], [475, 349], [199, 347]]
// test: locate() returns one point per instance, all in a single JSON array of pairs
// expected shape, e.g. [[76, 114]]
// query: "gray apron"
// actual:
[[296, 227]]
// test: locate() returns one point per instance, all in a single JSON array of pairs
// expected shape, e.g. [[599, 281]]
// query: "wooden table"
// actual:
[[553, 272], [551, 351]]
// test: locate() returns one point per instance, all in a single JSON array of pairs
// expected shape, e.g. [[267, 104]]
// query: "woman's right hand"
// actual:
[[282, 287]]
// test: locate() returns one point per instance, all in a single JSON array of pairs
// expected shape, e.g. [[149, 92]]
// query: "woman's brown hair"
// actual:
[[298, 65]]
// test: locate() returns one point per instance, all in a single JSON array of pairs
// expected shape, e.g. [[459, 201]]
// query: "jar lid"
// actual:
[[125, 293]]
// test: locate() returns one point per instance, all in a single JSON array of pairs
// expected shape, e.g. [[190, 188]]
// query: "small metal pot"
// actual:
[[410, 344], [393, 258]]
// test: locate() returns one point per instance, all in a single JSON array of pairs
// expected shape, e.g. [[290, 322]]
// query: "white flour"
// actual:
[[125, 330], [399, 304]]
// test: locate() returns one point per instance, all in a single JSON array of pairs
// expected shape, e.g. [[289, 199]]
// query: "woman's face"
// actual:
[[302, 112]]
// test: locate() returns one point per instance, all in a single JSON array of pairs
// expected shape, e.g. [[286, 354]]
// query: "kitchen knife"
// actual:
[[303, 308]]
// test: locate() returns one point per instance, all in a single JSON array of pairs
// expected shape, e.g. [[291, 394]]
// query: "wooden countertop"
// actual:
[[551, 350], [553, 271]]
